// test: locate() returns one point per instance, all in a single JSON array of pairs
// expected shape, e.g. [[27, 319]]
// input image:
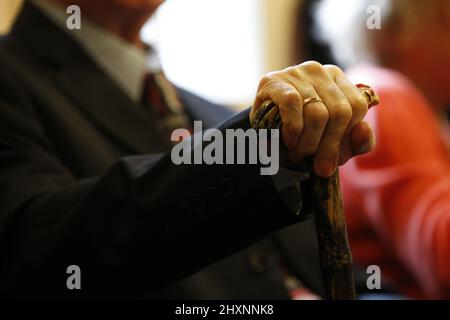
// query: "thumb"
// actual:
[[362, 139]]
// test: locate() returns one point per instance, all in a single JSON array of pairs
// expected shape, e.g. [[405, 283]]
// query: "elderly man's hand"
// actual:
[[332, 131]]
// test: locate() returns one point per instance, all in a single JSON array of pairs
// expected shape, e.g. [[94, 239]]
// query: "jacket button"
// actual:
[[227, 187], [184, 210], [213, 195], [198, 203]]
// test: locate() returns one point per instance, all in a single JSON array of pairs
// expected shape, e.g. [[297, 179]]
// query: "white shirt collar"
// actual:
[[123, 62]]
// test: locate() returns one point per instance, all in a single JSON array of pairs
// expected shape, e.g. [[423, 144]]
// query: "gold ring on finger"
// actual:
[[311, 100]]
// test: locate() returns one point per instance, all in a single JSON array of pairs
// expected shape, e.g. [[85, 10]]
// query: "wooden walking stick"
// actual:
[[334, 252]]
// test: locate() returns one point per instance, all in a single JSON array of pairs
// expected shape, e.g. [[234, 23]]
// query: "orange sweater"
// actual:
[[397, 198]]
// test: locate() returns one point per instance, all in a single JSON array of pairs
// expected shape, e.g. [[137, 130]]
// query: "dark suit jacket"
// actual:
[[69, 195]]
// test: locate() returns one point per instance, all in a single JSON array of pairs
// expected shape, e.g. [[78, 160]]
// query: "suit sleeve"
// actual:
[[403, 188], [144, 224]]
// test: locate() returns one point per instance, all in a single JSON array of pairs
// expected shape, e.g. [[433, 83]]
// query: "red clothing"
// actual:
[[397, 198]]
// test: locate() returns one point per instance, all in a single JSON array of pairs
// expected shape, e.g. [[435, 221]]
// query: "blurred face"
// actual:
[[136, 4], [116, 7], [122, 17], [432, 45], [421, 51]]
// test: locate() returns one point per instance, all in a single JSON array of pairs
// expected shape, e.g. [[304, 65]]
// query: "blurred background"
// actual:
[[267, 43]]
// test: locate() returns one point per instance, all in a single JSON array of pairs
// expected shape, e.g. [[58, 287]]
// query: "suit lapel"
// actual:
[[200, 109], [103, 102]]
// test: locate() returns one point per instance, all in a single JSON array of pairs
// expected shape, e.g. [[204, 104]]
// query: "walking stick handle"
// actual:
[[334, 252]]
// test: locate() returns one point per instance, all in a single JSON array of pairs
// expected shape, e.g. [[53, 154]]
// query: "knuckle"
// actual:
[[328, 86], [359, 105], [292, 69], [319, 115], [267, 79], [341, 113], [291, 98], [333, 69], [312, 67]]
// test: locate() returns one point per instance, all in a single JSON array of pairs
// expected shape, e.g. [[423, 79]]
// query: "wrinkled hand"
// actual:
[[331, 131]]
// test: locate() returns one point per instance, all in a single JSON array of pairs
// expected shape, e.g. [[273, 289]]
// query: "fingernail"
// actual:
[[365, 148], [325, 168], [368, 146]]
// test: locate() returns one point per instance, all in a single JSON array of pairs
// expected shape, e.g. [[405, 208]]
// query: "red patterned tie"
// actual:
[[162, 97]]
